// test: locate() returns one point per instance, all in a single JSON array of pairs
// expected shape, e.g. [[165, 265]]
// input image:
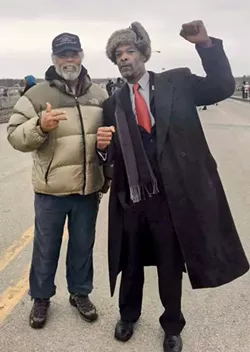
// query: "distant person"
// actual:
[[243, 89], [57, 121], [30, 81], [5, 92], [246, 90], [119, 82], [109, 86]]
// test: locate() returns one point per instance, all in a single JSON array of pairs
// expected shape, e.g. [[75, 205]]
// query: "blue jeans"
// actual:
[[50, 216]]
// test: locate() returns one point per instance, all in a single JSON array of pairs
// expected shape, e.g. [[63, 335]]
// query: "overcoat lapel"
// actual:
[[163, 92]]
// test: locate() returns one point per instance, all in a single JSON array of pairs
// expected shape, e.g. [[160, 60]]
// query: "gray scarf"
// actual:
[[141, 179]]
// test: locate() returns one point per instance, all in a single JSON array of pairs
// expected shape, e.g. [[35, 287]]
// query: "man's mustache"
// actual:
[[125, 65]]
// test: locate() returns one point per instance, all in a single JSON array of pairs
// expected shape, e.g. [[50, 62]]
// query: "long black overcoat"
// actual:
[[200, 212]]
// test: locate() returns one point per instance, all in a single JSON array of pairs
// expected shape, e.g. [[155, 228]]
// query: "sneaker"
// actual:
[[85, 307], [39, 313]]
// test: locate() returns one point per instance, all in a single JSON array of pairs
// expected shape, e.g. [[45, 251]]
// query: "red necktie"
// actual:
[[143, 115]]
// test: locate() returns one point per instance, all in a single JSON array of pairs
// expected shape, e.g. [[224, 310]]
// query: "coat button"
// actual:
[[183, 154]]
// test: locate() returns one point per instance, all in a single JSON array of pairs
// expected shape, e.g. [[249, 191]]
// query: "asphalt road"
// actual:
[[218, 320]]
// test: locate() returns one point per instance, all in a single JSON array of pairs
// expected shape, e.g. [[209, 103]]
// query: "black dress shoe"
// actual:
[[172, 343], [124, 330]]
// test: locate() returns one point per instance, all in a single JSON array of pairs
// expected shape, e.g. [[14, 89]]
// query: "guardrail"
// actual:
[[6, 106], [8, 102], [5, 115], [235, 97]]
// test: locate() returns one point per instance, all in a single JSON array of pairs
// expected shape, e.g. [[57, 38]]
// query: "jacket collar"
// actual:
[[55, 80]]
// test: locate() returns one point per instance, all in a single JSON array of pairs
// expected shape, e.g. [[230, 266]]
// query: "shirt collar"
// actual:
[[143, 82]]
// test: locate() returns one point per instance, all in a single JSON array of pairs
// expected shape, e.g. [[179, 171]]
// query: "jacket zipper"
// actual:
[[47, 171], [83, 142]]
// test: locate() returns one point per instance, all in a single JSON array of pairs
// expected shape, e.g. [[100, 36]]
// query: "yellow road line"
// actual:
[[16, 248], [13, 295]]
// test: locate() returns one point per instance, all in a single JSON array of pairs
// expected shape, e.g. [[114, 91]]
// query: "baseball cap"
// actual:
[[64, 42]]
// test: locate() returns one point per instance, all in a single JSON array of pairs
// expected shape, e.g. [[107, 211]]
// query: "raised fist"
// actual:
[[196, 33]]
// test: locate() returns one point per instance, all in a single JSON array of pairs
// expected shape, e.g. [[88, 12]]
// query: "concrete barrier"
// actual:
[[5, 115], [6, 107], [235, 97], [8, 102]]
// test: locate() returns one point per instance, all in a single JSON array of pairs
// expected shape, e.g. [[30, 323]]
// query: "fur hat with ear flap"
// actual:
[[135, 35]]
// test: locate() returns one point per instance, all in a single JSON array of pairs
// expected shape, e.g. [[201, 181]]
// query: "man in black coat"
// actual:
[[167, 204]]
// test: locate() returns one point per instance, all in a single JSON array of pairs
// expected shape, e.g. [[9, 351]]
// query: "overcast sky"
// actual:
[[28, 27]]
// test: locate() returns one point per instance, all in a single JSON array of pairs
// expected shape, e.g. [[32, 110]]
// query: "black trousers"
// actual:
[[151, 221]]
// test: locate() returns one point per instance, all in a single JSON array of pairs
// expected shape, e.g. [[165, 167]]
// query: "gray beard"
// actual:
[[69, 76]]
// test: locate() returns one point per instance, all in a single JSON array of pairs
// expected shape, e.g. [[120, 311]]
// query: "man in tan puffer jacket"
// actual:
[[57, 121]]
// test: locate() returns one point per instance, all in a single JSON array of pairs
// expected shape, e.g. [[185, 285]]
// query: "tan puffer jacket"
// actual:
[[64, 160]]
